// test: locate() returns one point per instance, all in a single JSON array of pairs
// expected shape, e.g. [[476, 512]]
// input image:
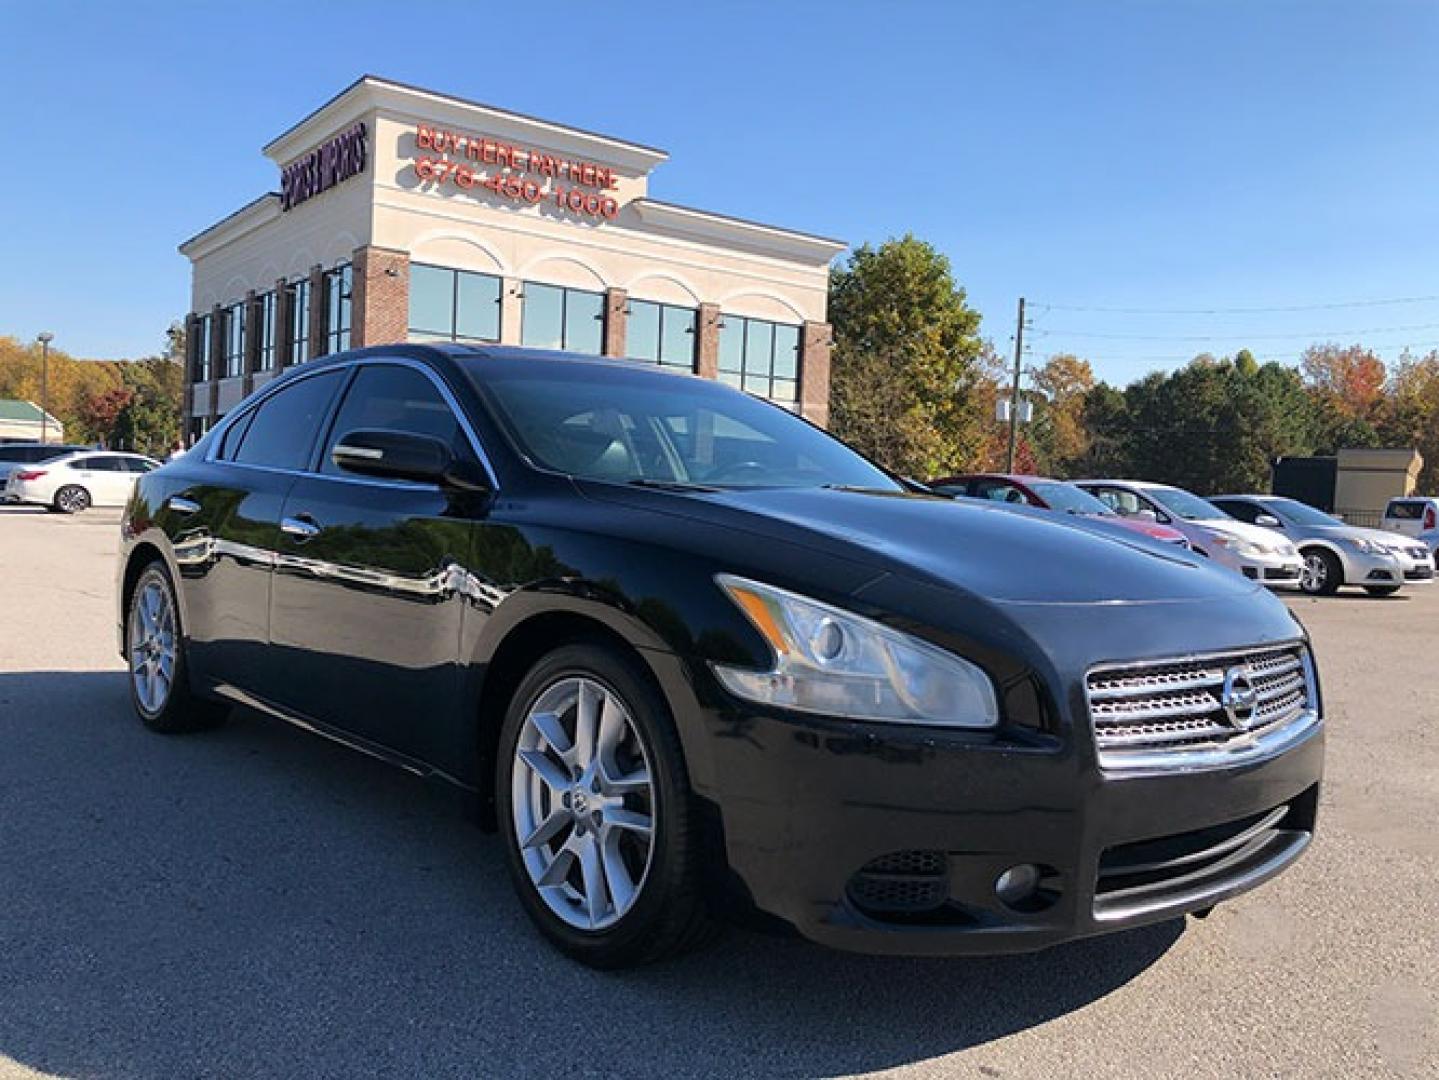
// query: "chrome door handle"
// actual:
[[300, 528], [182, 505]]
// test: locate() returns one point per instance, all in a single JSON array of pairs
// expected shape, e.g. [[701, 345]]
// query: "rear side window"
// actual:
[[389, 397], [284, 426]]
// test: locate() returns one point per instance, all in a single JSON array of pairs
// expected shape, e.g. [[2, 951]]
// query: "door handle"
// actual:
[[182, 505], [301, 528]]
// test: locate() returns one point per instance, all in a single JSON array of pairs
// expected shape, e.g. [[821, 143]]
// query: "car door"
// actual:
[[369, 589], [222, 514]]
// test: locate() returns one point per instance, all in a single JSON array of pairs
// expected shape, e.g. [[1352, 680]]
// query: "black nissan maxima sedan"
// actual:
[[697, 658]]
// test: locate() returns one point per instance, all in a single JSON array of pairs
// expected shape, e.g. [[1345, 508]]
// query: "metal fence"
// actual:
[[1365, 519]]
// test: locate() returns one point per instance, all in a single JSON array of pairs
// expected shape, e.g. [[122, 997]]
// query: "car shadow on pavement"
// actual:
[[255, 901]]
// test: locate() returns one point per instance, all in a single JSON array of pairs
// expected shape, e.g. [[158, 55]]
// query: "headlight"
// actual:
[[1358, 543], [832, 661], [1240, 547]]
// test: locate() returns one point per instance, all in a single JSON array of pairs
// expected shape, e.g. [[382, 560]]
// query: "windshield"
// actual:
[[608, 423], [1300, 513], [1067, 497], [1184, 505]]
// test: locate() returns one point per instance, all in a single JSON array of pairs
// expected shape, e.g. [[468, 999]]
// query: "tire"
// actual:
[[647, 901], [71, 499], [1381, 590], [1322, 574], [164, 703]]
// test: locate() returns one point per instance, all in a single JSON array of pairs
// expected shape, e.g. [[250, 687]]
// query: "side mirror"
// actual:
[[1269, 521], [402, 455]]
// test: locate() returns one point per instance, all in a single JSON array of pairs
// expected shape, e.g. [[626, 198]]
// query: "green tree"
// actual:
[[906, 375]]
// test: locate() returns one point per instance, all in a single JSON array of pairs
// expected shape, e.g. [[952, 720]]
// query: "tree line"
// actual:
[[118, 404], [914, 385]]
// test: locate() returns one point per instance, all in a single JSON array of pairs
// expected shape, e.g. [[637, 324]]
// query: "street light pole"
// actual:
[[1014, 390], [44, 338]]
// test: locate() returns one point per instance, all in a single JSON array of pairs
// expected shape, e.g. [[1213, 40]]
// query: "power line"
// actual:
[[1334, 306], [1238, 336]]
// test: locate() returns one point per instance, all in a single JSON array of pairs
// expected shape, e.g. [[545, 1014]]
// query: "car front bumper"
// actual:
[[893, 842], [1279, 571]]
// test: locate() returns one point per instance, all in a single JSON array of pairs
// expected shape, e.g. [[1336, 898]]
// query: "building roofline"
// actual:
[[228, 219], [452, 99], [663, 213]]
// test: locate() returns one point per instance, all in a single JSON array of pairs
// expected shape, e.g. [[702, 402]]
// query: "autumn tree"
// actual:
[[1058, 431], [906, 370]]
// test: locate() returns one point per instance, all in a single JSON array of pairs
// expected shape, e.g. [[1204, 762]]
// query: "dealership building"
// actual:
[[409, 215]]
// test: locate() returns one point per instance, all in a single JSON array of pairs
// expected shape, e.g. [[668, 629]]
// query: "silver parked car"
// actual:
[[1336, 554], [1256, 553]]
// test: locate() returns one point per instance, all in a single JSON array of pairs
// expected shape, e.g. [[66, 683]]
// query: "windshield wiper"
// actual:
[[669, 485]]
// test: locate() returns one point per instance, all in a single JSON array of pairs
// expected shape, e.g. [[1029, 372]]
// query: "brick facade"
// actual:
[[380, 305], [815, 342], [616, 321]]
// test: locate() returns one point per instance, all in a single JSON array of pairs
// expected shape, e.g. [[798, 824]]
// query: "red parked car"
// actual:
[[1048, 494]]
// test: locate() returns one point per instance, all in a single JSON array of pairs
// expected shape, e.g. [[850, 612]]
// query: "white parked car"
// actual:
[[1411, 516], [1257, 553], [78, 481]]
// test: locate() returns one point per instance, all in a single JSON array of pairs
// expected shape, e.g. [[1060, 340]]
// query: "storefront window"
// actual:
[[453, 305], [337, 309], [234, 339], [559, 318], [761, 357], [266, 326], [299, 321], [200, 349], [662, 334]]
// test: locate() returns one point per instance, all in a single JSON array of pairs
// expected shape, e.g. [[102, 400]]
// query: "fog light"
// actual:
[[1017, 884]]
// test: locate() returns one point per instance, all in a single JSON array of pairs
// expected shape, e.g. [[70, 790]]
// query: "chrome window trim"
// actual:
[[274, 387]]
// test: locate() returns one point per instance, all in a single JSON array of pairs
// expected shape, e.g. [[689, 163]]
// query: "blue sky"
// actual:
[[1163, 154]]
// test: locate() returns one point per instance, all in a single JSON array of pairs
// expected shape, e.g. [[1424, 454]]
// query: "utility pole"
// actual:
[[44, 339], [1014, 390]]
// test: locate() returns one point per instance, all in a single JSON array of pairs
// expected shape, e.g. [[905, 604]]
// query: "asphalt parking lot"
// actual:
[[255, 901]]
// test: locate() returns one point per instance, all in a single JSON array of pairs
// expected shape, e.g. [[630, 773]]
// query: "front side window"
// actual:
[[266, 327], [390, 397], [453, 305], [337, 308], [761, 357], [643, 426], [560, 318], [299, 321], [285, 424], [234, 338], [662, 334]]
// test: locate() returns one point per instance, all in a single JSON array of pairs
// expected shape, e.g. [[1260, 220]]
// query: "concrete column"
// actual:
[[282, 325], [616, 321], [511, 310], [251, 359], [317, 311], [707, 326], [380, 304], [815, 341]]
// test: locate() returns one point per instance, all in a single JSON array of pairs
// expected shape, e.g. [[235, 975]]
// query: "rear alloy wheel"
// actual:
[[1322, 574], [599, 830], [72, 499], [154, 647]]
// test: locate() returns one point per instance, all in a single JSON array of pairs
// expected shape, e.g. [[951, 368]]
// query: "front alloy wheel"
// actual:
[[1322, 575], [583, 803], [601, 837]]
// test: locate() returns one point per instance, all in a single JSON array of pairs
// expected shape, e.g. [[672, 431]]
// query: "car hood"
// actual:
[[1007, 555], [1242, 530], [1388, 540], [1152, 529]]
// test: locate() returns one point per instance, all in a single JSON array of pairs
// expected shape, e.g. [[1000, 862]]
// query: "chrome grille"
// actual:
[[1170, 714]]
